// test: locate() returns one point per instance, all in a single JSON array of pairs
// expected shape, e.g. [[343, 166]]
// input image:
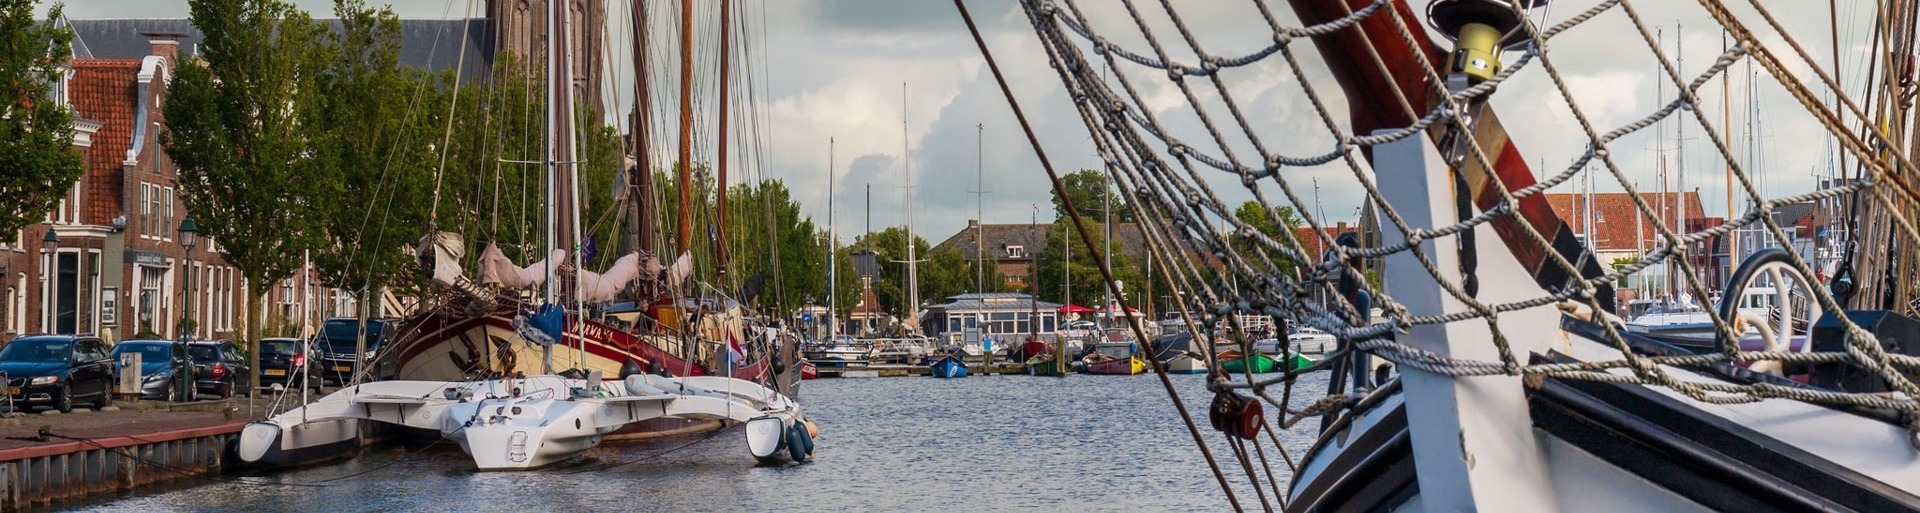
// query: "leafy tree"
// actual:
[[37, 162], [766, 233], [235, 133], [373, 131], [1255, 215], [1085, 187], [1082, 275]]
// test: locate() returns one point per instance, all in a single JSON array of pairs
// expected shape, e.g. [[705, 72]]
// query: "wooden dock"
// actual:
[[898, 371]]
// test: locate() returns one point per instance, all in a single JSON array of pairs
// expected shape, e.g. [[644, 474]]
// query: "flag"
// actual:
[[589, 250], [735, 353]]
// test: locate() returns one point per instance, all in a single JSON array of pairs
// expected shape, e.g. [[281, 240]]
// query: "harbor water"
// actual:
[[983, 443]]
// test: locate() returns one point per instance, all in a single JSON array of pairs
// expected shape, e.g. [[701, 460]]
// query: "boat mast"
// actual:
[[833, 251], [913, 276], [980, 210], [560, 159], [686, 127], [720, 189], [640, 182]]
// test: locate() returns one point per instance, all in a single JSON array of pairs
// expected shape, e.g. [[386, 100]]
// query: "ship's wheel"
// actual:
[[1781, 305]]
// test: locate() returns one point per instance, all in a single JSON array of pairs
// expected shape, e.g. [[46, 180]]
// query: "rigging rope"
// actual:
[[1232, 268]]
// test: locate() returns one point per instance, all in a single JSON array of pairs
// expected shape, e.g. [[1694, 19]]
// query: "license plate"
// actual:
[[14, 390], [275, 372], [343, 368]]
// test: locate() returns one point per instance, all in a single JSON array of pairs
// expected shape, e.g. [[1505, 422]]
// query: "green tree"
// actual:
[[767, 234], [37, 162], [235, 133], [1085, 187], [1255, 215], [373, 131], [1082, 275]]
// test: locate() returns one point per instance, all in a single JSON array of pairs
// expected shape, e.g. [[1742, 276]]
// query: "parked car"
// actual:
[[336, 347], [56, 370], [219, 369], [288, 361], [158, 362]]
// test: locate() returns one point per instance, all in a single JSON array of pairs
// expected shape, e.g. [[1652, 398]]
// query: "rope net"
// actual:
[[1166, 115]]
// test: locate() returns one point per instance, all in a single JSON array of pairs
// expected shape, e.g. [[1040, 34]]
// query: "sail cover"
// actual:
[[596, 287], [496, 269]]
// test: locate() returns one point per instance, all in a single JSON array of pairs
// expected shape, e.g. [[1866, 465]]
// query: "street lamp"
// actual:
[[183, 375], [51, 241]]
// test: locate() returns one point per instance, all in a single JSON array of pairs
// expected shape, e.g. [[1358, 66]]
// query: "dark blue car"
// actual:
[[56, 370]]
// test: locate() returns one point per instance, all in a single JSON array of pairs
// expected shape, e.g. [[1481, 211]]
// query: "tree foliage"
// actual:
[[1257, 216], [235, 131], [1085, 187], [372, 133], [37, 162], [1082, 275]]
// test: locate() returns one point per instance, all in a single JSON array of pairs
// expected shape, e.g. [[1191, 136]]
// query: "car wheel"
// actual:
[[226, 391], [173, 394], [63, 400], [106, 399]]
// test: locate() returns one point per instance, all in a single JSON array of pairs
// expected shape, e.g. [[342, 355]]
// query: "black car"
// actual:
[[218, 368], [157, 365], [55, 370], [336, 346], [289, 360]]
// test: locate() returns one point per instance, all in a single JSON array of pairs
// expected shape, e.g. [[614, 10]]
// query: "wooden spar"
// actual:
[[685, 165], [640, 182], [720, 188], [1371, 62], [560, 118]]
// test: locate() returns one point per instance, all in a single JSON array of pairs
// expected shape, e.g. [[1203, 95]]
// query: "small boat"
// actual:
[[1046, 365], [841, 351], [1185, 363], [1232, 361], [808, 370], [1297, 361], [948, 366], [1098, 364]]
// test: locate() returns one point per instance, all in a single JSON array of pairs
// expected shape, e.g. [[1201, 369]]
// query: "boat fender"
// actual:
[[631, 368], [813, 430], [797, 443]]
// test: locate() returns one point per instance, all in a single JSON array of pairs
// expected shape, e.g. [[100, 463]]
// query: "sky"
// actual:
[[834, 71]]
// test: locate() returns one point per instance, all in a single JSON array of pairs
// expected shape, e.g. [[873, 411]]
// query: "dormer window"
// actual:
[[1016, 251]]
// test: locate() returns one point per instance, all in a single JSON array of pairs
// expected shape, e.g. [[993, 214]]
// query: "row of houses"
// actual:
[[111, 258]]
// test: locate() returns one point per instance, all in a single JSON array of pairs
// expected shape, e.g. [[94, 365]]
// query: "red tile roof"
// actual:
[[1314, 245], [105, 90], [1615, 218]]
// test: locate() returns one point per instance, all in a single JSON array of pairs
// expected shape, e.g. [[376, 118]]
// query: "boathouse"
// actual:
[[993, 313]]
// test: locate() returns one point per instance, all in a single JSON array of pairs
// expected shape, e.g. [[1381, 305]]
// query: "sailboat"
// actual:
[[1509, 384], [508, 418], [489, 328]]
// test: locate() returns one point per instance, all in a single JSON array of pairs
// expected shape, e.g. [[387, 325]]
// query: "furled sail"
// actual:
[[596, 287], [495, 268]]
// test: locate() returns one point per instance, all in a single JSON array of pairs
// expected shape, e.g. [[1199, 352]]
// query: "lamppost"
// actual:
[[50, 244], [189, 235]]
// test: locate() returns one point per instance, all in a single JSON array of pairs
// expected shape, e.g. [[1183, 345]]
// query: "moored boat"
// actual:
[[1185, 363], [947, 366], [1233, 361]]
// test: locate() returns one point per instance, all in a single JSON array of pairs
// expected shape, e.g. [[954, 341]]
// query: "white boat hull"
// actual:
[[518, 424]]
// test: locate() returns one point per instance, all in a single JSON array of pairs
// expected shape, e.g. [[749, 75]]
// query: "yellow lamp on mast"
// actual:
[[1480, 30]]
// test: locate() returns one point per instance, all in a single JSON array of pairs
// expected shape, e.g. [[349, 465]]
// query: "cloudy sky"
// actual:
[[835, 69]]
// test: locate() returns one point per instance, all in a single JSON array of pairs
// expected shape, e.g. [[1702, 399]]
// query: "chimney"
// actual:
[[164, 44]]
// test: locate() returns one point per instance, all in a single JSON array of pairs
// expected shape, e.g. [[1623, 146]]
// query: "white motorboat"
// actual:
[[531, 422]]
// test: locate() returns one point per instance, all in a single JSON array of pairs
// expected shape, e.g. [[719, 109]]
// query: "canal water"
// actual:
[[983, 443]]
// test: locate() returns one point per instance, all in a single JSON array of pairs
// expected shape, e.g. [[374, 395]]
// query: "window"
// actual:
[[147, 208], [1016, 251], [166, 228]]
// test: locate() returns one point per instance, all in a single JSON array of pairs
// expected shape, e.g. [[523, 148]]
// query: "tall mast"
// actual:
[[980, 211], [559, 141], [685, 233], [833, 252], [1726, 120], [913, 276], [720, 190], [640, 183]]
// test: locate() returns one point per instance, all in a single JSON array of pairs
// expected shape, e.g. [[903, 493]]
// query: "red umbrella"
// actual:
[[1075, 309]]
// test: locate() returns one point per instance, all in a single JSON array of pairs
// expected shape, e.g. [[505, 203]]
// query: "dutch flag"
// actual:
[[735, 353]]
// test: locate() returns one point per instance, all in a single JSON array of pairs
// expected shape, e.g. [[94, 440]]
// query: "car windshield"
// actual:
[[149, 352], [278, 347], [37, 350], [340, 334], [203, 353]]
